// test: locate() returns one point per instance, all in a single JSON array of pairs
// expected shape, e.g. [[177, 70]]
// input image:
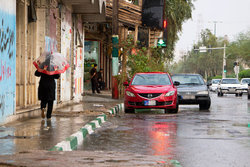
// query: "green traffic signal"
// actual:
[[161, 43]]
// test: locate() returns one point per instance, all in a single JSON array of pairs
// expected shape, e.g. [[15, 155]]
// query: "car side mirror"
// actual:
[[176, 83], [125, 83]]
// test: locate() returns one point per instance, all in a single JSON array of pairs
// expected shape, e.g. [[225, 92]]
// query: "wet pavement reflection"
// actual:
[[39, 134], [218, 137]]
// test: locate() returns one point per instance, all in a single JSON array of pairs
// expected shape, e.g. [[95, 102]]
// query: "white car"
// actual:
[[244, 84], [214, 84], [229, 86]]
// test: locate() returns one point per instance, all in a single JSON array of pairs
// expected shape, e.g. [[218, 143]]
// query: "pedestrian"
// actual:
[[94, 82], [101, 83], [46, 92]]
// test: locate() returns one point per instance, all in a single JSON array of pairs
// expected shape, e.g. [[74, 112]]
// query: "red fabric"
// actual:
[[50, 72]]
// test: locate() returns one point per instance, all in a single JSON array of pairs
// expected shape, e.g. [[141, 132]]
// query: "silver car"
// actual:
[[192, 90]]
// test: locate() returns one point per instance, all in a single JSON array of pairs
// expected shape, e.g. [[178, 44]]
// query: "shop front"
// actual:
[[91, 57]]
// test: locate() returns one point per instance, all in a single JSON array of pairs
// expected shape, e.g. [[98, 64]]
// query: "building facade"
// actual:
[[7, 58], [80, 30]]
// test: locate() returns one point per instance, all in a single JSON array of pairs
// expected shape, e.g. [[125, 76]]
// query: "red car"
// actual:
[[151, 90]]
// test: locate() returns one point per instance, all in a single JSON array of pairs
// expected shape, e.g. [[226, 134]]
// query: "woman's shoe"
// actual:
[[43, 113]]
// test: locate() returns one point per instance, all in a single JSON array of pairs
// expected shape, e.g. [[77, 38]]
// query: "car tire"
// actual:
[[240, 94], [205, 105], [237, 94], [173, 110], [129, 110], [249, 96]]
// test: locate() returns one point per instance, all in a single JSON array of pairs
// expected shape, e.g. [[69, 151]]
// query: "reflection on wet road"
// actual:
[[195, 138], [37, 134]]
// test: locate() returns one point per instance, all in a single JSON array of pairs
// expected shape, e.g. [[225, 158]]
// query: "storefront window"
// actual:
[[91, 57]]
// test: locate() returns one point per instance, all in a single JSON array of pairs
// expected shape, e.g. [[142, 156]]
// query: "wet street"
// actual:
[[220, 137]]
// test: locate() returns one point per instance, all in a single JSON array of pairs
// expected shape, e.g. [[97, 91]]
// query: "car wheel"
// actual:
[[240, 94], [129, 110], [205, 105], [173, 110], [248, 96], [237, 94]]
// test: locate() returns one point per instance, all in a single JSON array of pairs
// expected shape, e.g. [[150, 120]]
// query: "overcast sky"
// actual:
[[234, 16]]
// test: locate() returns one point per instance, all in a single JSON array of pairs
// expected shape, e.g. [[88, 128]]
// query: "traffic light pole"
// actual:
[[224, 57], [224, 62]]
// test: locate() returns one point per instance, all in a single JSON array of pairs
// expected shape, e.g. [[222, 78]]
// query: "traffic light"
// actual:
[[236, 64], [163, 42], [165, 24], [225, 69]]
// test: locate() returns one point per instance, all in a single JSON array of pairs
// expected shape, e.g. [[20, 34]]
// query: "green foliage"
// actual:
[[142, 61], [239, 49], [210, 63], [231, 76], [207, 64], [244, 74], [217, 77], [176, 12]]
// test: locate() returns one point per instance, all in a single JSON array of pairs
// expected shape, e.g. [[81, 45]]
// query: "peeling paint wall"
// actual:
[[66, 39], [7, 58], [78, 59]]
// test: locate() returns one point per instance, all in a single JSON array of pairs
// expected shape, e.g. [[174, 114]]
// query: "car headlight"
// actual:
[[202, 92], [130, 94], [170, 93]]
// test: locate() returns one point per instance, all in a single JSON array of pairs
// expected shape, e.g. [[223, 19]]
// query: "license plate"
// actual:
[[188, 97], [231, 90], [149, 103]]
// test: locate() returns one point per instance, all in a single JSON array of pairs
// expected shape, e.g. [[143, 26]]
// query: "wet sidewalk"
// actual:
[[39, 134]]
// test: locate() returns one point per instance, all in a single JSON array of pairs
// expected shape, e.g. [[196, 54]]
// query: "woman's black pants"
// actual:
[[50, 106]]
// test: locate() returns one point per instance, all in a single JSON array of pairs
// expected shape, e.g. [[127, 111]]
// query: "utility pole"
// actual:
[[224, 58], [115, 43], [224, 62], [204, 49], [215, 24]]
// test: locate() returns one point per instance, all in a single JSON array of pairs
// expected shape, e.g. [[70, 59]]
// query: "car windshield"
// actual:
[[215, 81], [151, 79], [188, 79], [246, 81], [230, 81]]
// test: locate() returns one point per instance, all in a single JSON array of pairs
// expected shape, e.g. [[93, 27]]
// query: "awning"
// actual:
[[90, 10]]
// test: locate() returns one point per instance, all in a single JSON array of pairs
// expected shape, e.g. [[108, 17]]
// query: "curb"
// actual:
[[77, 138], [116, 109]]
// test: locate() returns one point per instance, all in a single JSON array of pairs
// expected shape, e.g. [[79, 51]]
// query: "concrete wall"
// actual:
[[7, 58]]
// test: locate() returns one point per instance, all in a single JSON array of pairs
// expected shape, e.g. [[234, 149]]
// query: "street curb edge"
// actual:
[[71, 143]]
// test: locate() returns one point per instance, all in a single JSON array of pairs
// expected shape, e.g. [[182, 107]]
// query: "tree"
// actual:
[[176, 13], [239, 49], [207, 64]]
